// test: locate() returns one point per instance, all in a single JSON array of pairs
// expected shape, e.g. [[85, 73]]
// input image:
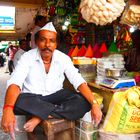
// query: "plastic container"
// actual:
[[113, 136], [86, 135]]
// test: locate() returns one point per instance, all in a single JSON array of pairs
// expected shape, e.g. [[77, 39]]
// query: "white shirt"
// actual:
[[18, 55], [31, 77], [35, 30]]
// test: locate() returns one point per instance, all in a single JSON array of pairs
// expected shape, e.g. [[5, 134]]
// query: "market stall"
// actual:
[[95, 34], [104, 83]]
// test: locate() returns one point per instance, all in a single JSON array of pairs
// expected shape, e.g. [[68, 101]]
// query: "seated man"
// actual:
[[36, 87]]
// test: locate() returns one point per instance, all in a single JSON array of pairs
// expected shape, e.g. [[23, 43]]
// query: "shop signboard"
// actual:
[[6, 23], [7, 18]]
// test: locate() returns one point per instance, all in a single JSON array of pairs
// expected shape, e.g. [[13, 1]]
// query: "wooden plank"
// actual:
[[23, 3], [92, 84]]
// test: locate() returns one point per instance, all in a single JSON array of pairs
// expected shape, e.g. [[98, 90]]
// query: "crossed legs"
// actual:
[[62, 104]]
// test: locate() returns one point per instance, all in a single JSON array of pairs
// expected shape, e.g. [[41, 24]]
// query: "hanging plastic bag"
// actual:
[[131, 14]]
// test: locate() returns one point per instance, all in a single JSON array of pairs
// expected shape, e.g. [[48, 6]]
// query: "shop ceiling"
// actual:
[[25, 13]]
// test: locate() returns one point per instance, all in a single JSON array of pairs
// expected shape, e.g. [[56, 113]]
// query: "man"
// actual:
[[2, 60], [40, 21], [7, 54], [12, 50], [36, 87], [22, 49], [133, 59], [28, 40]]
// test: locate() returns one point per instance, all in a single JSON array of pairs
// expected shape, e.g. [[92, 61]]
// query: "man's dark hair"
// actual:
[[36, 36], [38, 18]]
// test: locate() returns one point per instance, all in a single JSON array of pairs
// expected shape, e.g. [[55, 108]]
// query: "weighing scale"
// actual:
[[118, 82]]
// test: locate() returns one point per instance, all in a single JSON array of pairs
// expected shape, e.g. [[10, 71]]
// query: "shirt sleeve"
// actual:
[[20, 72], [73, 74]]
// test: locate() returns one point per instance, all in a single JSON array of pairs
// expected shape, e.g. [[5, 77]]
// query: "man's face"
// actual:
[[11, 46], [47, 43]]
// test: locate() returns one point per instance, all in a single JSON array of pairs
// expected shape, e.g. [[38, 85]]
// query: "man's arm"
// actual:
[[96, 113], [8, 117]]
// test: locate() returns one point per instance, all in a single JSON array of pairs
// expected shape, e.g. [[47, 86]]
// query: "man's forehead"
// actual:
[[46, 33]]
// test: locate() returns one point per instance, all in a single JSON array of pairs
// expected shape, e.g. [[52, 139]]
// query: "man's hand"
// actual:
[[96, 113], [8, 120]]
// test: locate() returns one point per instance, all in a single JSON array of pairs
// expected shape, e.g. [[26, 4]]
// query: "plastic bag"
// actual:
[[123, 115], [131, 14]]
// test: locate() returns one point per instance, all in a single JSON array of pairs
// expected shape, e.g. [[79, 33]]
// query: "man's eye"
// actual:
[[42, 39], [53, 40]]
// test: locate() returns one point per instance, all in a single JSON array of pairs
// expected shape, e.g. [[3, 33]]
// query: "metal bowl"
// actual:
[[115, 73]]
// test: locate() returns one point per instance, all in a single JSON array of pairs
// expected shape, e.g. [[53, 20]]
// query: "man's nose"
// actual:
[[47, 43]]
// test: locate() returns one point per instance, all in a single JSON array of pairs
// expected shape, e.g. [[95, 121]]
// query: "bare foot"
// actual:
[[50, 117], [31, 124]]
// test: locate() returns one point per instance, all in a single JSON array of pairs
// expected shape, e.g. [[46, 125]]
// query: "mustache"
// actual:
[[46, 49]]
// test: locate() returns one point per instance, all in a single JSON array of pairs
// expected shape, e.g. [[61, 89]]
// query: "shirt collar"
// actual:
[[54, 57]]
